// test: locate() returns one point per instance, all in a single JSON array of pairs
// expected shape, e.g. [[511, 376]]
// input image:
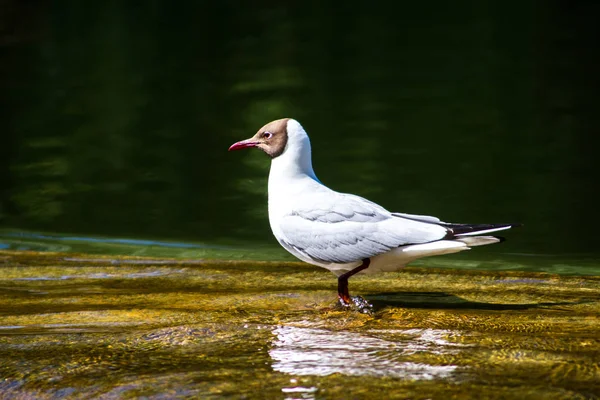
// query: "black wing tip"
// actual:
[[486, 226], [497, 225], [458, 229], [508, 224]]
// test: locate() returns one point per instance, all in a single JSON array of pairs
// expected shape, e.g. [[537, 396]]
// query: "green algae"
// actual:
[[80, 326]]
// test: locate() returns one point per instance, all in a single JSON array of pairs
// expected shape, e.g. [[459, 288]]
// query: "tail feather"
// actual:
[[473, 241]]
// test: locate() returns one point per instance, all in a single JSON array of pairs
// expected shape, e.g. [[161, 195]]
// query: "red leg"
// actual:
[[343, 293]]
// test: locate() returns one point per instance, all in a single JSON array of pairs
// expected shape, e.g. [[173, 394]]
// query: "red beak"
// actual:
[[243, 144]]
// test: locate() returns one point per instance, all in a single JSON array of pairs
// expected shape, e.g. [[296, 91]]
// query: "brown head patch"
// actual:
[[273, 137]]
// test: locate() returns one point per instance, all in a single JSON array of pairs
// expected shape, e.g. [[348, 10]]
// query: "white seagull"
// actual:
[[344, 233]]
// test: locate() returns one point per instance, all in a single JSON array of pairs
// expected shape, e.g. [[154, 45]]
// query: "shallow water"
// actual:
[[79, 325], [500, 257]]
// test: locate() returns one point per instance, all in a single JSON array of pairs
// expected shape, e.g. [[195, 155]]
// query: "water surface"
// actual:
[[75, 326]]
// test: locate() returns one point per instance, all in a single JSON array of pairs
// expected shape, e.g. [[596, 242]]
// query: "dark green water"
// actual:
[[117, 116]]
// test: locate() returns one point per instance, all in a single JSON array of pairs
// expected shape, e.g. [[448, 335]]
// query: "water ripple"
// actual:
[[310, 351]]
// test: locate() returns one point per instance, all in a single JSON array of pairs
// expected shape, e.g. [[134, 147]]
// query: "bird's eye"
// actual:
[[267, 135]]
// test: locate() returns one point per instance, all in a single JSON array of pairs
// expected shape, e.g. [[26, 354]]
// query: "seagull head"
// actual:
[[271, 138], [286, 142]]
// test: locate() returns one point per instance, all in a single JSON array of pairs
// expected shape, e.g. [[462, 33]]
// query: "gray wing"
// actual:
[[342, 228], [422, 218]]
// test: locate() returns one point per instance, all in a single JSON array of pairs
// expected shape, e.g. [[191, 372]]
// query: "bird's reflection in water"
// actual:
[[310, 351]]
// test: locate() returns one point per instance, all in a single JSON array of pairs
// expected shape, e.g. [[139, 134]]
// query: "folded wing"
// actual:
[[343, 228]]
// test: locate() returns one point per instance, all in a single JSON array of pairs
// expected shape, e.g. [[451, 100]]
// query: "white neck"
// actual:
[[291, 174], [295, 162]]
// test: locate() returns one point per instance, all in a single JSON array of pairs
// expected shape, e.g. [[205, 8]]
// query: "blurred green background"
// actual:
[[116, 116]]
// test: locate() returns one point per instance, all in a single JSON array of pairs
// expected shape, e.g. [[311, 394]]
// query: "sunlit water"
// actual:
[[309, 351], [113, 327]]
